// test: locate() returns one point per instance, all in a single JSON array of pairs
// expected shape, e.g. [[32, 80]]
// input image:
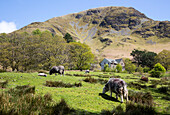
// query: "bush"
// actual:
[[140, 97], [140, 69], [3, 84], [157, 71], [146, 69], [131, 109], [106, 68], [119, 68], [61, 84]]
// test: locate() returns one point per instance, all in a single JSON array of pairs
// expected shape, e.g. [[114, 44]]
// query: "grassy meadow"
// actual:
[[86, 98]]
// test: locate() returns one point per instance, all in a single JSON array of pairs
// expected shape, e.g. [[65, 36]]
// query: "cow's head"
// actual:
[[50, 72], [106, 88]]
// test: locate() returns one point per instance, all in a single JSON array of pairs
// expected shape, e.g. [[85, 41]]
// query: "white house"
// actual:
[[112, 63]]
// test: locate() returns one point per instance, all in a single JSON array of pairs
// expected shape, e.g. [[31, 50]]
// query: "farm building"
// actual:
[[112, 63]]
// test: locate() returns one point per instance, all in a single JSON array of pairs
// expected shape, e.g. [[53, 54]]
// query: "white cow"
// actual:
[[117, 86]]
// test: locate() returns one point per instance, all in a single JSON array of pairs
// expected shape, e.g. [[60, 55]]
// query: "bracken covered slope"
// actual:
[[111, 32]]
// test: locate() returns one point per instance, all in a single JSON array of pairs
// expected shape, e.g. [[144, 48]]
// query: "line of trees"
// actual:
[[42, 50], [146, 61]]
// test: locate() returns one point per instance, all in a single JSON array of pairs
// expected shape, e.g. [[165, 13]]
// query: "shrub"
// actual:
[[140, 69], [139, 109], [130, 68], [146, 69], [61, 84], [106, 68], [140, 97], [91, 80], [163, 89], [119, 68], [1, 70], [3, 84], [157, 71], [22, 90], [30, 104], [131, 109]]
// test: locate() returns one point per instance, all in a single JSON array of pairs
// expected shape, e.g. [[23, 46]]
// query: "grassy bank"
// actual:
[[87, 97]]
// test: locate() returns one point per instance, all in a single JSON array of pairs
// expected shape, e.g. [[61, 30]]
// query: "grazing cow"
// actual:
[[87, 71], [117, 86], [143, 78], [57, 69]]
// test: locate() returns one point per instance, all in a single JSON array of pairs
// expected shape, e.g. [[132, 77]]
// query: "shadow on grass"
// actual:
[[107, 97]]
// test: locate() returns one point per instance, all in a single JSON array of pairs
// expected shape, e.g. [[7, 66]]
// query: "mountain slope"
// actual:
[[111, 32]]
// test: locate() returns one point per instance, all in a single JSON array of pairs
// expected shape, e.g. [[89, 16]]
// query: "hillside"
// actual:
[[111, 32]]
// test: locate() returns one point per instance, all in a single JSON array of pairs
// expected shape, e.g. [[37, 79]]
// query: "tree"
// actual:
[[81, 56], [140, 69], [68, 38], [106, 68], [143, 58], [163, 58], [119, 68], [158, 70], [129, 67]]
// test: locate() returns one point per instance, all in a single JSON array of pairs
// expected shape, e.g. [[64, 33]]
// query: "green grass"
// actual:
[[87, 97]]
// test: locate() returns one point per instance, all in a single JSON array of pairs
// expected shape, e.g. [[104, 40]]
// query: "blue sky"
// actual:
[[15, 14]]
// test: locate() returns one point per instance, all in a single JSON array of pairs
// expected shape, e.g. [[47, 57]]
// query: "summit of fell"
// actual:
[[111, 32]]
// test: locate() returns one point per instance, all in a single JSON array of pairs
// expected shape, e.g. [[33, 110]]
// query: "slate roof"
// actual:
[[111, 60], [118, 60]]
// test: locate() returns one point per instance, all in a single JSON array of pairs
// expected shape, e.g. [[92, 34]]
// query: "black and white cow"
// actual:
[[57, 69], [118, 86]]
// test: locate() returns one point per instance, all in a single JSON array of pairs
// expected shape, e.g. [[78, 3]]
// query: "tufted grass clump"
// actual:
[[21, 90], [140, 97], [164, 90], [22, 100], [29, 103], [61, 84], [136, 85], [93, 80], [3, 84], [131, 109], [82, 75], [139, 109]]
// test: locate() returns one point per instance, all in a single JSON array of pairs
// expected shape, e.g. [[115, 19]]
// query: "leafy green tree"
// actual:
[[143, 58], [158, 70], [140, 69], [81, 56], [146, 69], [129, 67], [163, 58], [119, 68], [68, 38], [106, 68]]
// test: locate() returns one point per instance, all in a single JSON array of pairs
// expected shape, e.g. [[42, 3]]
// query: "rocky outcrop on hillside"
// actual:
[[106, 27], [104, 21]]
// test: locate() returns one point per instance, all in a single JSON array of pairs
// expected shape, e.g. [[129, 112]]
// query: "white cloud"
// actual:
[[7, 27]]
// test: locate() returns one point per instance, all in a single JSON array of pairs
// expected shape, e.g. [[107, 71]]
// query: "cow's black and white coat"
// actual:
[[57, 69], [118, 86]]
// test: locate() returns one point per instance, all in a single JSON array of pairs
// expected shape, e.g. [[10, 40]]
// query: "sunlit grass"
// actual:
[[87, 97]]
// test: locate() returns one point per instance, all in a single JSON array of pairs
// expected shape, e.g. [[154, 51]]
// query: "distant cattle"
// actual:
[[118, 86], [143, 78], [87, 71], [57, 69], [42, 74]]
